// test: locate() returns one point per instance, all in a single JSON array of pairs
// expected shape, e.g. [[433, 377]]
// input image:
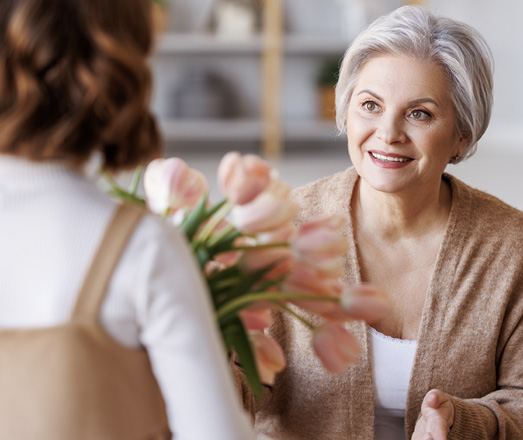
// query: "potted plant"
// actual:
[[326, 82]]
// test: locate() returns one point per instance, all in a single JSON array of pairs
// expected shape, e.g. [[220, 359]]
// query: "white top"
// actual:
[[392, 363], [51, 222]]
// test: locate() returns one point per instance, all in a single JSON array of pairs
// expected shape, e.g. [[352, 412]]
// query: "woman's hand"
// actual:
[[437, 417]]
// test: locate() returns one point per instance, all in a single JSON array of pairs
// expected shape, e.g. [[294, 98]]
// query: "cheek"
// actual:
[[358, 128]]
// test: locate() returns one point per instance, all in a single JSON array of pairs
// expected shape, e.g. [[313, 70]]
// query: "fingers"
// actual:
[[431, 399], [437, 414]]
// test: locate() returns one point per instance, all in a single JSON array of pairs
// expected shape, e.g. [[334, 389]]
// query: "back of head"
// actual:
[[414, 32], [74, 79]]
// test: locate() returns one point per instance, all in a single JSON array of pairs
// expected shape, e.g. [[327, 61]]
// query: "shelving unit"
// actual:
[[274, 72]]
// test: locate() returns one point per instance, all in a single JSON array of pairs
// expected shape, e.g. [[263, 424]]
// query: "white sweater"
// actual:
[[51, 222]]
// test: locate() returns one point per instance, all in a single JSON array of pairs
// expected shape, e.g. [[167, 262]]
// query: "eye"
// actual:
[[370, 106], [420, 115]]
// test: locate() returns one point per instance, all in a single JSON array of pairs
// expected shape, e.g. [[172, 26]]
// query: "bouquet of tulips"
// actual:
[[255, 260]]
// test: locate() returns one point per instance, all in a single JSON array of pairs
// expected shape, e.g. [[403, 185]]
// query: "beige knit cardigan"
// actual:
[[470, 340]]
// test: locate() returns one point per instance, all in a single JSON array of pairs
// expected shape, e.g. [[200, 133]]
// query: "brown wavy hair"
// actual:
[[74, 79]]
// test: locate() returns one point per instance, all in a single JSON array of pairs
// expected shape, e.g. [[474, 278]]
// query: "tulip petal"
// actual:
[[269, 356], [335, 347]]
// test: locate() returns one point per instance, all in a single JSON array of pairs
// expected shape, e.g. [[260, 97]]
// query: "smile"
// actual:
[[389, 158]]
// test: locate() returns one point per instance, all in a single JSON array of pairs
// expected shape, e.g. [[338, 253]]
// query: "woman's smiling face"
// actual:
[[401, 125]]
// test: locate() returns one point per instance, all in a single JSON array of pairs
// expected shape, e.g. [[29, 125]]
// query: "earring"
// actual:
[[455, 159]]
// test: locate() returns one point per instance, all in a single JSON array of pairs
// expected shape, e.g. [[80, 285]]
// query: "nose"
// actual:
[[391, 130]]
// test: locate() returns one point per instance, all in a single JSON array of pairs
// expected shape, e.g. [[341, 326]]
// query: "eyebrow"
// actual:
[[410, 103]]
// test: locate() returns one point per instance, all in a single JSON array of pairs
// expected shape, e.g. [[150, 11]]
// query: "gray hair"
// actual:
[[416, 33]]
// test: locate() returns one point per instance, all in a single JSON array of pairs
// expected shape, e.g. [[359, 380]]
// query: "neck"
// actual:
[[390, 217]]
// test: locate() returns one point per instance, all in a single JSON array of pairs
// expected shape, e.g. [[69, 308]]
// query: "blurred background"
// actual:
[[258, 76]]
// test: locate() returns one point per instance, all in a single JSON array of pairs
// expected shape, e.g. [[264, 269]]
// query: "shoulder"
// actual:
[[486, 228], [484, 210], [154, 236], [336, 182]]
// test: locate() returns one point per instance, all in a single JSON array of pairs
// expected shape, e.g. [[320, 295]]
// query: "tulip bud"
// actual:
[[270, 210], [365, 302], [320, 244], [256, 319], [171, 185], [242, 178], [268, 354], [335, 346]]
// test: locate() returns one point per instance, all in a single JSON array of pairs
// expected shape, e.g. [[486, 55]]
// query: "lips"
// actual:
[[390, 157], [390, 161]]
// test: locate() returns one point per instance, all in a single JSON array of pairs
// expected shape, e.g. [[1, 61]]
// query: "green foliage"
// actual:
[[237, 340], [329, 72]]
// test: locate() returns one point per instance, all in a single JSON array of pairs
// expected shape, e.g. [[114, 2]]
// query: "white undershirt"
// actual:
[[392, 364]]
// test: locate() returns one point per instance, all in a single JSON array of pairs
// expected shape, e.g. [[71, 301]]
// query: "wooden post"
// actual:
[[271, 78]]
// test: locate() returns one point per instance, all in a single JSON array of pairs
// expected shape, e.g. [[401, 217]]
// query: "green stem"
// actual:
[[214, 221], [261, 246], [109, 178], [244, 300], [136, 180], [300, 318], [216, 238], [121, 193]]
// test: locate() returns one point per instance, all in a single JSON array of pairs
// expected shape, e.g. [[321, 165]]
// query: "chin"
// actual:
[[385, 184]]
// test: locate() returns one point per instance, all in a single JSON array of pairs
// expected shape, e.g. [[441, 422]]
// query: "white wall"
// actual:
[[500, 23], [496, 167]]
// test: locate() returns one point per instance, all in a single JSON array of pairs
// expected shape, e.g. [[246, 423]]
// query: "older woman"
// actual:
[[414, 94], [106, 328]]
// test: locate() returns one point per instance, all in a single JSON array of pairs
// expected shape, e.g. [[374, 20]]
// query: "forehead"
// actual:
[[399, 77]]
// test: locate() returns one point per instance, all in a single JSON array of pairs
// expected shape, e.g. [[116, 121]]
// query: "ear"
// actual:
[[462, 144]]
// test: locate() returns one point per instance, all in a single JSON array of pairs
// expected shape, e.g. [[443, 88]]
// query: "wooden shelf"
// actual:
[[310, 130], [272, 47], [245, 130], [205, 44], [212, 129], [314, 45]]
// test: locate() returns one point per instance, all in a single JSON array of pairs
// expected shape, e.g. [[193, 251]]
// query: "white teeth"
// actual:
[[388, 159]]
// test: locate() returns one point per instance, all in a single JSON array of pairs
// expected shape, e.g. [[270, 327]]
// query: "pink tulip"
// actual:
[[171, 185], [256, 319], [335, 346], [242, 178], [282, 234], [212, 266], [356, 302], [270, 210], [228, 259], [320, 244], [256, 259], [268, 354], [365, 302], [303, 280]]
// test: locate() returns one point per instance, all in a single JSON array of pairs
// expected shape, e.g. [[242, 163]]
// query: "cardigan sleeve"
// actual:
[[498, 415]]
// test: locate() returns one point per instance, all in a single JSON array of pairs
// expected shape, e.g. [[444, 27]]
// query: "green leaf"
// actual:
[[126, 196], [224, 244], [237, 339], [245, 284], [202, 255], [136, 180], [200, 214], [193, 221]]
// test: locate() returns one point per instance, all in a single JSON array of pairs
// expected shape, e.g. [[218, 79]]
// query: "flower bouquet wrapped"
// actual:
[[256, 260]]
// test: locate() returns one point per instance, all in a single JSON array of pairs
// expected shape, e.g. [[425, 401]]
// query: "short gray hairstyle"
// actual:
[[458, 48]]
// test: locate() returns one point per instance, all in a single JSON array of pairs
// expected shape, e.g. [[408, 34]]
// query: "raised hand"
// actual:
[[437, 417]]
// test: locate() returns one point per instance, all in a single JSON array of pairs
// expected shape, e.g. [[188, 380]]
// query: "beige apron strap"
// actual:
[[114, 241]]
